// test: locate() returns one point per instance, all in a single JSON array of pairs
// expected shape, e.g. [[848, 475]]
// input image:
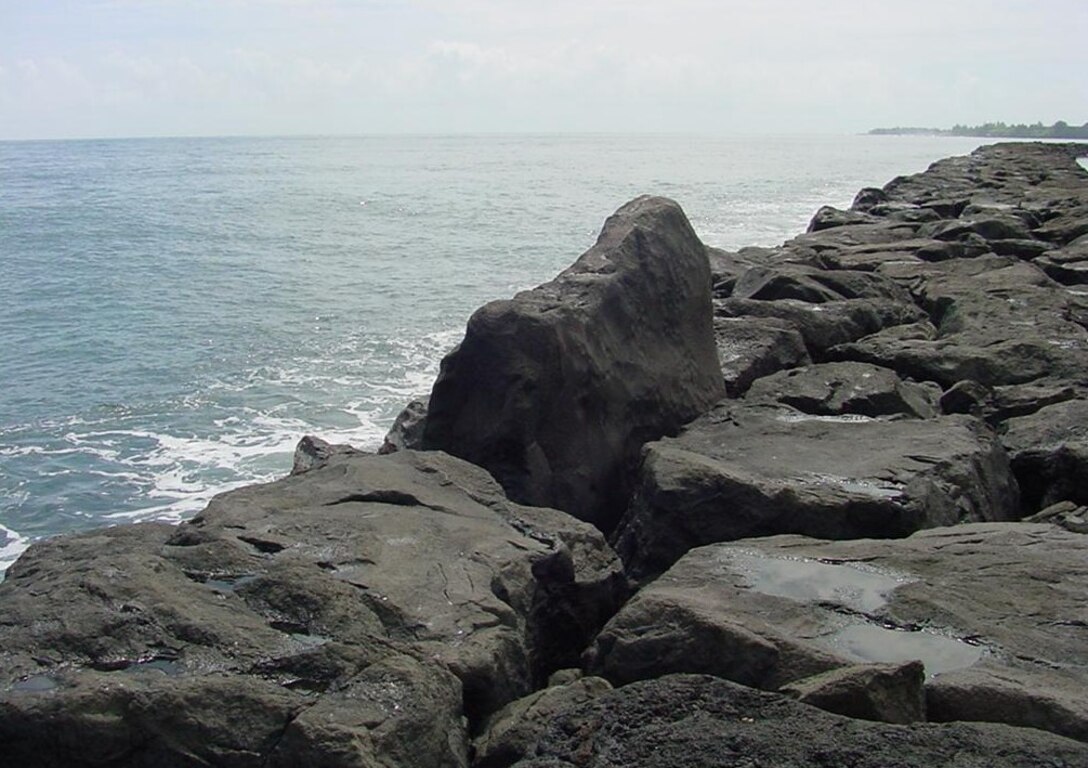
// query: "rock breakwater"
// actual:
[[677, 506]]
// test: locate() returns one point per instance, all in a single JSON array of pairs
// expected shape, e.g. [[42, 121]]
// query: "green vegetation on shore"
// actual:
[[1060, 130]]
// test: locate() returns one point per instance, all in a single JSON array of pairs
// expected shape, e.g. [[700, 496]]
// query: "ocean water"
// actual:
[[176, 313]]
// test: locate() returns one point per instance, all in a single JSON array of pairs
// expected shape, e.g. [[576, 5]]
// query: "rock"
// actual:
[[358, 611], [889, 693], [836, 389], [1066, 514], [407, 430], [966, 396], [785, 281], [828, 217], [703, 721], [993, 608], [1068, 265], [511, 733], [749, 470], [555, 391], [313, 453], [752, 347], [1049, 452], [826, 325]]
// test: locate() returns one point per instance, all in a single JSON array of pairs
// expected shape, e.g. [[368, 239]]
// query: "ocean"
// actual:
[[176, 313]]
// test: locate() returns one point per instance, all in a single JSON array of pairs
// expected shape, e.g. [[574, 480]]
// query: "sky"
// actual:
[[119, 68]]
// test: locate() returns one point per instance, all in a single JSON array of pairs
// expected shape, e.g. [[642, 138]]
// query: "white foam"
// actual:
[[14, 544]]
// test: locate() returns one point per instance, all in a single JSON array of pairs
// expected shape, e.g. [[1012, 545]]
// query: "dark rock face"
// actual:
[[889, 693], [555, 391], [352, 613], [1049, 450], [769, 612], [753, 470], [705, 721]]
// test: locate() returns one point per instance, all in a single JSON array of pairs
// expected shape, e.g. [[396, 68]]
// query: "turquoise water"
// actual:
[[176, 313]]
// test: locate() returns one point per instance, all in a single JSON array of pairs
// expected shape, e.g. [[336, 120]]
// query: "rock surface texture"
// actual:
[[844, 480], [555, 391], [350, 614]]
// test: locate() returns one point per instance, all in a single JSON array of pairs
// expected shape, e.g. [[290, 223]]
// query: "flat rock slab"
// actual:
[[750, 470], [688, 720], [995, 611], [357, 612]]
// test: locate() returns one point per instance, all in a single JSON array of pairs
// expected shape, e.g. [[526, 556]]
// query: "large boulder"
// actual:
[[1049, 451], [348, 615], [555, 391], [756, 470], [704, 721], [994, 611]]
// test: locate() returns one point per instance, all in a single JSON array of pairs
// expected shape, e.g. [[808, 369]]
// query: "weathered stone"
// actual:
[[889, 693], [360, 610], [748, 470], [555, 391], [1049, 451], [829, 216], [703, 721], [995, 611], [751, 347], [407, 430], [313, 452], [1066, 514], [836, 389], [512, 732]]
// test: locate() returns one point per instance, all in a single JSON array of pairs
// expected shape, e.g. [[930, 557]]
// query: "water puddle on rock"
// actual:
[[871, 643], [859, 589], [36, 684]]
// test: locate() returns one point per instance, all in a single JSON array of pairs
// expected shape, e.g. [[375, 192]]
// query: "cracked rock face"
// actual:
[[355, 612], [995, 611], [757, 470], [696, 720]]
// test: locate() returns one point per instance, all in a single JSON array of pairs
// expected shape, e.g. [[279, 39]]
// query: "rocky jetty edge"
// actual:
[[818, 504]]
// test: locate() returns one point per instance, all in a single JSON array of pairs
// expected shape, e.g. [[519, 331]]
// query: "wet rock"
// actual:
[[829, 216], [836, 389], [511, 733], [751, 347], [313, 452], [749, 470], [407, 430], [360, 608], [889, 693], [698, 720], [997, 605], [555, 391]]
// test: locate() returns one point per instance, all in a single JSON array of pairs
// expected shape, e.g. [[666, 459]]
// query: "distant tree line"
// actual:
[[1060, 130]]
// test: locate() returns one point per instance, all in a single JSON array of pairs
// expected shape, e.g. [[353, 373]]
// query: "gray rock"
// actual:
[[749, 470], [828, 216], [407, 430], [1067, 514], [889, 693], [995, 611], [1049, 451], [513, 731], [703, 721], [752, 347], [313, 453], [555, 391], [836, 389], [358, 611]]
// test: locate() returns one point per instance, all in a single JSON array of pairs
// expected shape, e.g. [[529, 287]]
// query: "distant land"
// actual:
[[1060, 130]]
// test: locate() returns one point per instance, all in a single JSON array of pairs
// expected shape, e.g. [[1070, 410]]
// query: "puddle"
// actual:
[[36, 684], [854, 485], [168, 667], [860, 589], [845, 418], [872, 643], [229, 583]]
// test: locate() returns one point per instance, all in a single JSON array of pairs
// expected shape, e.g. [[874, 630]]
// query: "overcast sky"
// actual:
[[87, 68]]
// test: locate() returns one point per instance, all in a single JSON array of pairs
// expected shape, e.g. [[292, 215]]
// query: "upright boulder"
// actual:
[[555, 391]]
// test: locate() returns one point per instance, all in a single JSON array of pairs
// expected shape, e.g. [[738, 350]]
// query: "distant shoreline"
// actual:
[[1060, 130]]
